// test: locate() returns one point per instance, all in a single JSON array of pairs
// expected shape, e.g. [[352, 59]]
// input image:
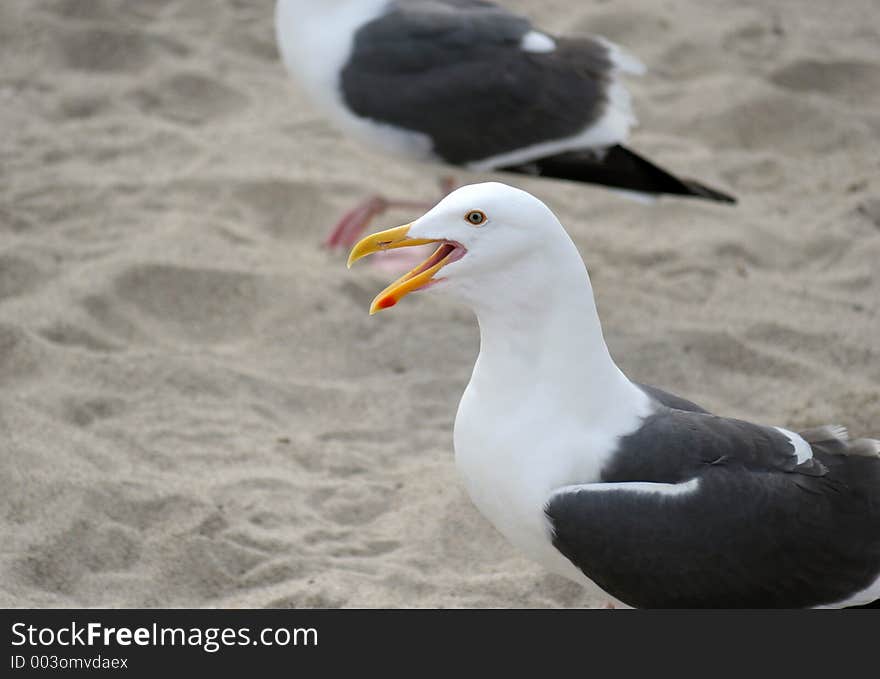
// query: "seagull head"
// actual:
[[493, 241]]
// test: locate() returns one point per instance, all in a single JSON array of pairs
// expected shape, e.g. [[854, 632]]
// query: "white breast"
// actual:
[[510, 471]]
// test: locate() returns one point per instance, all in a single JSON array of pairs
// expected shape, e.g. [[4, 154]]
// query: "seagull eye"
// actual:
[[475, 218]]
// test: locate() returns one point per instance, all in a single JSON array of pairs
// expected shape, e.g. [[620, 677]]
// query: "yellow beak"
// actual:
[[415, 279]]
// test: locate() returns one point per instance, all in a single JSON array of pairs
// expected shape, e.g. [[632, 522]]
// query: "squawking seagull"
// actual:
[[468, 83], [656, 500]]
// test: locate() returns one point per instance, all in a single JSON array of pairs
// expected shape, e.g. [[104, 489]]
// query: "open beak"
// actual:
[[416, 279]]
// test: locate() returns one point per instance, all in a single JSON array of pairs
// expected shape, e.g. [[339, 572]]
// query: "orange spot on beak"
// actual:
[[386, 302]]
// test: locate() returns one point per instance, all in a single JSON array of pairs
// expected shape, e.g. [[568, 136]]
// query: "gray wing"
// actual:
[[674, 445], [456, 72], [698, 511], [671, 400]]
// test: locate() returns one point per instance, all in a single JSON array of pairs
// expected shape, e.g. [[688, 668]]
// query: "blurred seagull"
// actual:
[[468, 83], [654, 499]]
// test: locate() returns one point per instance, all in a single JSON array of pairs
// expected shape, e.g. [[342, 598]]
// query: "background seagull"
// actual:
[[654, 499], [468, 83]]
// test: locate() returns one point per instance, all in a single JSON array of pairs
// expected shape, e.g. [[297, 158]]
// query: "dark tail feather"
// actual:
[[620, 168], [873, 604]]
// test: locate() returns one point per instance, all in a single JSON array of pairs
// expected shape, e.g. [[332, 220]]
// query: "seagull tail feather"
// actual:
[[621, 168], [836, 438]]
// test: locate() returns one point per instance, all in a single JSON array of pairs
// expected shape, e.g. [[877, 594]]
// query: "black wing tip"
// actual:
[[698, 190], [621, 168]]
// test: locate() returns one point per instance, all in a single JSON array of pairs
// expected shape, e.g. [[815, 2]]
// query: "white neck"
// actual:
[[545, 342], [546, 403]]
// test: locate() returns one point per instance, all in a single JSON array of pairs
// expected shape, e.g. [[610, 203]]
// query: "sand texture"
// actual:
[[196, 409]]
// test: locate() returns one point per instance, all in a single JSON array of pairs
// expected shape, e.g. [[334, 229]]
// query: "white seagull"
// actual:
[[656, 500], [468, 83]]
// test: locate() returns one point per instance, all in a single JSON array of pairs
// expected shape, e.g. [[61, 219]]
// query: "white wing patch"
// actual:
[[802, 449], [538, 43], [638, 487]]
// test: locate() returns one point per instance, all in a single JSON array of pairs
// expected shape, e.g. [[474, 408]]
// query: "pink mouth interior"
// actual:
[[450, 252], [453, 251]]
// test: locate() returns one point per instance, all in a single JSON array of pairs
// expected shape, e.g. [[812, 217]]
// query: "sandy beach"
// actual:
[[193, 398]]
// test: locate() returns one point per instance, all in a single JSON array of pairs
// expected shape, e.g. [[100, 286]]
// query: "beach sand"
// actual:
[[196, 409]]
